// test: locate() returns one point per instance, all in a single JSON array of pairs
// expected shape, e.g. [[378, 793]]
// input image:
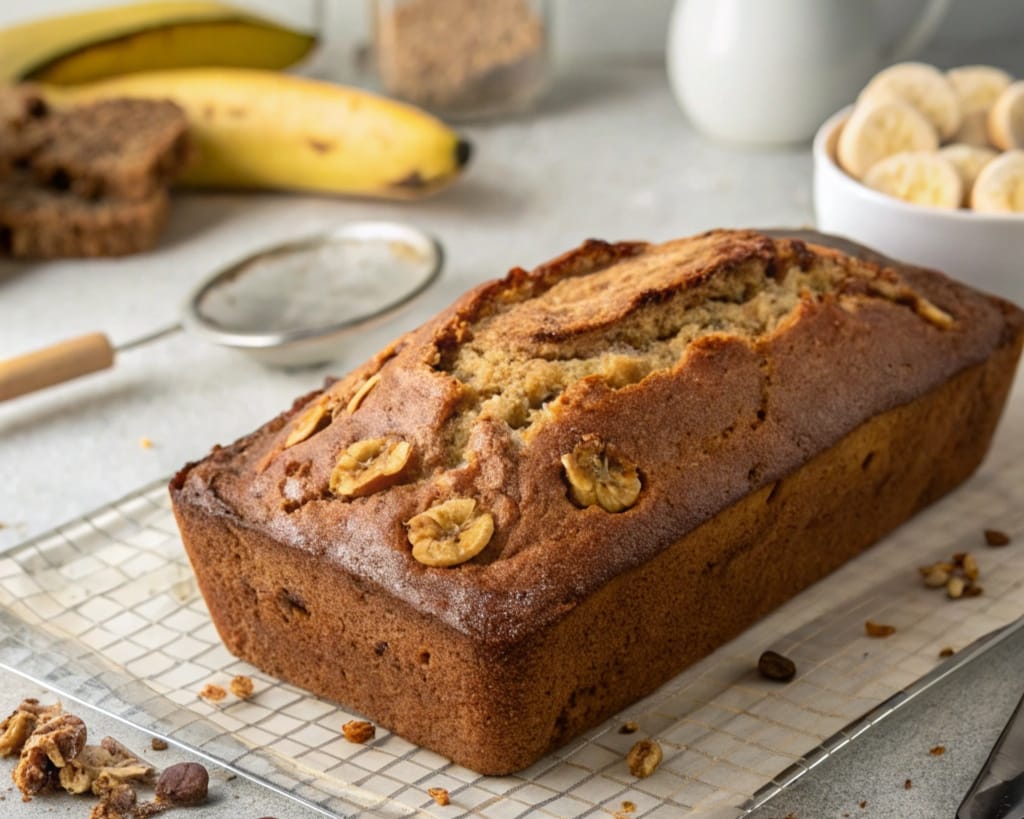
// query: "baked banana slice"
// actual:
[[968, 161], [920, 177], [877, 130], [921, 86], [999, 187], [1006, 118]]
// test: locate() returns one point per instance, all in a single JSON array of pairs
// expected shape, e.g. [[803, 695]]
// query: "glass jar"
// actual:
[[462, 59]]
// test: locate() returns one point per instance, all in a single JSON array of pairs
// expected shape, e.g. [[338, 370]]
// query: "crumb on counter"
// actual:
[[213, 693], [158, 744], [145, 443], [630, 727], [873, 629], [995, 537], [948, 651], [938, 750]]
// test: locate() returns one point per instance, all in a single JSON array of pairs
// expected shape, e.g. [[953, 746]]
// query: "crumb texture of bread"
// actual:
[[773, 406], [89, 180]]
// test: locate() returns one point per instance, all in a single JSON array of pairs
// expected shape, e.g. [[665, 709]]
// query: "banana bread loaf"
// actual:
[[548, 500]]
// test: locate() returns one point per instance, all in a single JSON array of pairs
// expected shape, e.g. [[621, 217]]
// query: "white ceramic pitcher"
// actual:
[[771, 71]]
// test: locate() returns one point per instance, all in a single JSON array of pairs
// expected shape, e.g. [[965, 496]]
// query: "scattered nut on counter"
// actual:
[[439, 795], [53, 754], [644, 758], [629, 727], [241, 686], [957, 576], [938, 750], [213, 693], [947, 652], [359, 731], [773, 666]]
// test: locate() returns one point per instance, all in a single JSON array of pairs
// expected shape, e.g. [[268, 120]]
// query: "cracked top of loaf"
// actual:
[[555, 428]]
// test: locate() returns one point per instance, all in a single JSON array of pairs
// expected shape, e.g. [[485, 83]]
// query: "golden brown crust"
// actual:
[[734, 413]]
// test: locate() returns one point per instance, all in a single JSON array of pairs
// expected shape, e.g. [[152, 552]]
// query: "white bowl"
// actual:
[[982, 249]]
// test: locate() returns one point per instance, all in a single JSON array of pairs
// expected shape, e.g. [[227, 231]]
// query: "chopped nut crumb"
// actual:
[[629, 727], [145, 443], [938, 750], [908, 785], [439, 795], [947, 652], [186, 783], [628, 807], [863, 804], [993, 537], [878, 629], [241, 686], [158, 744], [213, 693], [644, 758], [358, 731]]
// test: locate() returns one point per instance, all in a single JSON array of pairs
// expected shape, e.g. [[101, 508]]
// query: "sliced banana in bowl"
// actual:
[[879, 130], [922, 87], [1006, 118], [999, 187], [921, 177]]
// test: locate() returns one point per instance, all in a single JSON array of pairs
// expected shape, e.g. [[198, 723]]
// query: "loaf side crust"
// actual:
[[497, 708]]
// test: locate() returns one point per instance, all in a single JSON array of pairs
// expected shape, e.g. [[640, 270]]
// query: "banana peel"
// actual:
[[106, 42], [264, 129]]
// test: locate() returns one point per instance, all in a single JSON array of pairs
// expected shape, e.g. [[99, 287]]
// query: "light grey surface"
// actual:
[[607, 155], [964, 714]]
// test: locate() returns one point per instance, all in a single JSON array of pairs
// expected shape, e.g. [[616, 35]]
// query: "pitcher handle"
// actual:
[[920, 32]]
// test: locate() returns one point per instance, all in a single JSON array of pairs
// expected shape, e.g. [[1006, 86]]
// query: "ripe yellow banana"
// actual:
[[107, 42], [263, 129]]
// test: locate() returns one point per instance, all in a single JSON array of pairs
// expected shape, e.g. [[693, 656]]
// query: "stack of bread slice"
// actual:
[[86, 181]]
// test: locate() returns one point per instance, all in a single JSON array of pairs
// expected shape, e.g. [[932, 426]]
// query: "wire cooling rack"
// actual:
[[106, 611]]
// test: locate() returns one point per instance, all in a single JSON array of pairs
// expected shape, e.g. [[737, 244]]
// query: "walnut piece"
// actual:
[[53, 744], [994, 537], [241, 686], [450, 533], [644, 758], [358, 731], [315, 418], [117, 801], [599, 475], [368, 466], [213, 693], [439, 795], [16, 730]]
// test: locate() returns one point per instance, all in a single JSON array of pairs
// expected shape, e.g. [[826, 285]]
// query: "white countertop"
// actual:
[[608, 155]]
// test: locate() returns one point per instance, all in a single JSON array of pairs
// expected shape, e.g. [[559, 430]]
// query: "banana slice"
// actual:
[[978, 86], [877, 130], [1006, 118], [920, 177], [968, 161], [921, 86], [999, 187]]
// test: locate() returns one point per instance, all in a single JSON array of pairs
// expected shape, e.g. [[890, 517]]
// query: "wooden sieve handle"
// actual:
[[55, 364]]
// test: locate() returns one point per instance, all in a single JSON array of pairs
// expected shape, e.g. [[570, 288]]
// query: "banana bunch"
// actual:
[[105, 42], [891, 141], [264, 129]]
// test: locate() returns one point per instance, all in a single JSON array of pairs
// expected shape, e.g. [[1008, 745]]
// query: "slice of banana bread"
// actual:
[[37, 222], [121, 148], [552, 497]]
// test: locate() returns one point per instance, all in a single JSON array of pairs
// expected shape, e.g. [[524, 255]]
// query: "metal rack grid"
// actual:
[[105, 610]]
